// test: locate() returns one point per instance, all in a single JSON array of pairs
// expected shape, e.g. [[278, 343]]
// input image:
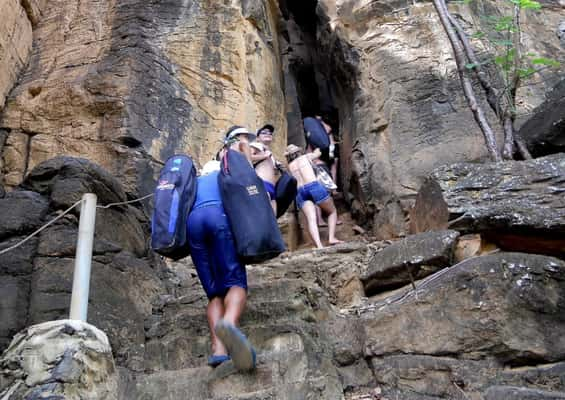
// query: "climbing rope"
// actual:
[[40, 229], [63, 214], [126, 202]]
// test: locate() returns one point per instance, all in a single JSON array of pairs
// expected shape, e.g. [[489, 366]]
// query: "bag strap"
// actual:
[[225, 160]]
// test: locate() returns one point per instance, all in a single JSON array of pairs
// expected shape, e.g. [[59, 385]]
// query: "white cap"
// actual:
[[209, 167]]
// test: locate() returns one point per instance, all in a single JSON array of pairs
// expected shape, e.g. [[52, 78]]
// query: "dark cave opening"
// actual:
[[308, 65]]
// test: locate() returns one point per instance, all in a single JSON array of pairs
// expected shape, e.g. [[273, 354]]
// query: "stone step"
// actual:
[[180, 339], [287, 368]]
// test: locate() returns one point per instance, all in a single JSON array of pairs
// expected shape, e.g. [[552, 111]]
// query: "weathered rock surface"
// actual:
[[128, 84], [544, 133], [519, 205], [22, 212], [59, 360], [488, 321], [15, 44], [394, 83], [36, 278], [409, 259], [486, 326]]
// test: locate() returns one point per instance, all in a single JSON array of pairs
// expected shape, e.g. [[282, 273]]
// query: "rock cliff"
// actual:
[[127, 84], [410, 319], [470, 312]]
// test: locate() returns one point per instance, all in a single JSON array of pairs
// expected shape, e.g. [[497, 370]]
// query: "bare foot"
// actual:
[[339, 222], [322, 223], [335, 241]]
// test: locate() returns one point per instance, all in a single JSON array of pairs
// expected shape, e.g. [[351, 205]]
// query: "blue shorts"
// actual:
[[313, 191], [270, 188], [213, 252]]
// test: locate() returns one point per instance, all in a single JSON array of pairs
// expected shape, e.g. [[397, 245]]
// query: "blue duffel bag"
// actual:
[[174, 197], [315, 133], [254, 227]]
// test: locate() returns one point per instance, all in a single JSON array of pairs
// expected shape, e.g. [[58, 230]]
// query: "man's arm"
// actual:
[[260, 156], [246, 150], [315, 154]]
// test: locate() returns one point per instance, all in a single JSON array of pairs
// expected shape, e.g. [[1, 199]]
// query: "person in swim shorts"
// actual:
[[311, 193], [264, 163]]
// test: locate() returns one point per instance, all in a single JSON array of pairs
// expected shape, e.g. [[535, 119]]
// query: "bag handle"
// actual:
[[225, 160]]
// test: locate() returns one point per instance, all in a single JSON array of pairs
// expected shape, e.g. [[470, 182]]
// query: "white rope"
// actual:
[[40, 229], [125, 202], [63, 214]]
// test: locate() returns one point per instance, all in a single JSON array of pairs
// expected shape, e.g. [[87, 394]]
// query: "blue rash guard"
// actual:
[[211, 242]]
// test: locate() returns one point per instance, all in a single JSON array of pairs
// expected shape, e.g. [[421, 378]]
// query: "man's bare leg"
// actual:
[[319, 217], [234, 304], [328, 207], [309, 210], [215, 312]]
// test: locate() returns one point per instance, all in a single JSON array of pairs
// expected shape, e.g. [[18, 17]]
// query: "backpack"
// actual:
[[316, 135], [246, 203], [285, 192], [174, 197]]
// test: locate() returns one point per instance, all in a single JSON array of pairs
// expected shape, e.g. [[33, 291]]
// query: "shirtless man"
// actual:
[[264, 162], [311, 193]]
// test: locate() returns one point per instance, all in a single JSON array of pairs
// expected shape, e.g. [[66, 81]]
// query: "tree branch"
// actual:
[[478, 112]]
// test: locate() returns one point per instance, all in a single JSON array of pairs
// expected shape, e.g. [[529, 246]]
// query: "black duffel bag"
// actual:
[[255, 229], [285, 192]]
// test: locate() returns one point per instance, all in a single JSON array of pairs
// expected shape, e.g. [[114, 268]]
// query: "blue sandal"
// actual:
[[239, 347], [214, 361]]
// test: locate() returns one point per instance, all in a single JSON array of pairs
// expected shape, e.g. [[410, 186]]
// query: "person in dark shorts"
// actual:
[[221, 274], [264, 163], [311, 193]]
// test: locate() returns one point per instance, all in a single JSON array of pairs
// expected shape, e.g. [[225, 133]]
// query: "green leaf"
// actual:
[[478, 35], [503, 42], [545, 61], [526, 72]]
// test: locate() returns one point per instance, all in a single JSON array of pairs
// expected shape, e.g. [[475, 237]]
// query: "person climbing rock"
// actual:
[[221, 274], [264, 162], [238, 138], [311, 193], [329, 158]]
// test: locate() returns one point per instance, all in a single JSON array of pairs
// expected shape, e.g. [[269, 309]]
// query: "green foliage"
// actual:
[[503, 36], [527, 4]]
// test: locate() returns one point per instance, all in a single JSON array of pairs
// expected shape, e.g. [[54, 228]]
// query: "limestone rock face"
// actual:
[[15, 44], [59, 360], [128, 84], [395, 85]]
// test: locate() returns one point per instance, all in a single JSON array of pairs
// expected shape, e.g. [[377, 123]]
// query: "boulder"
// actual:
[[26, 212], [488, 321], [420, 377], [505, 306], [408, 259], [121, 293], [66, 179], [519, 393], [518, 205], [59, 360], [14, 303], [544, 133]]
